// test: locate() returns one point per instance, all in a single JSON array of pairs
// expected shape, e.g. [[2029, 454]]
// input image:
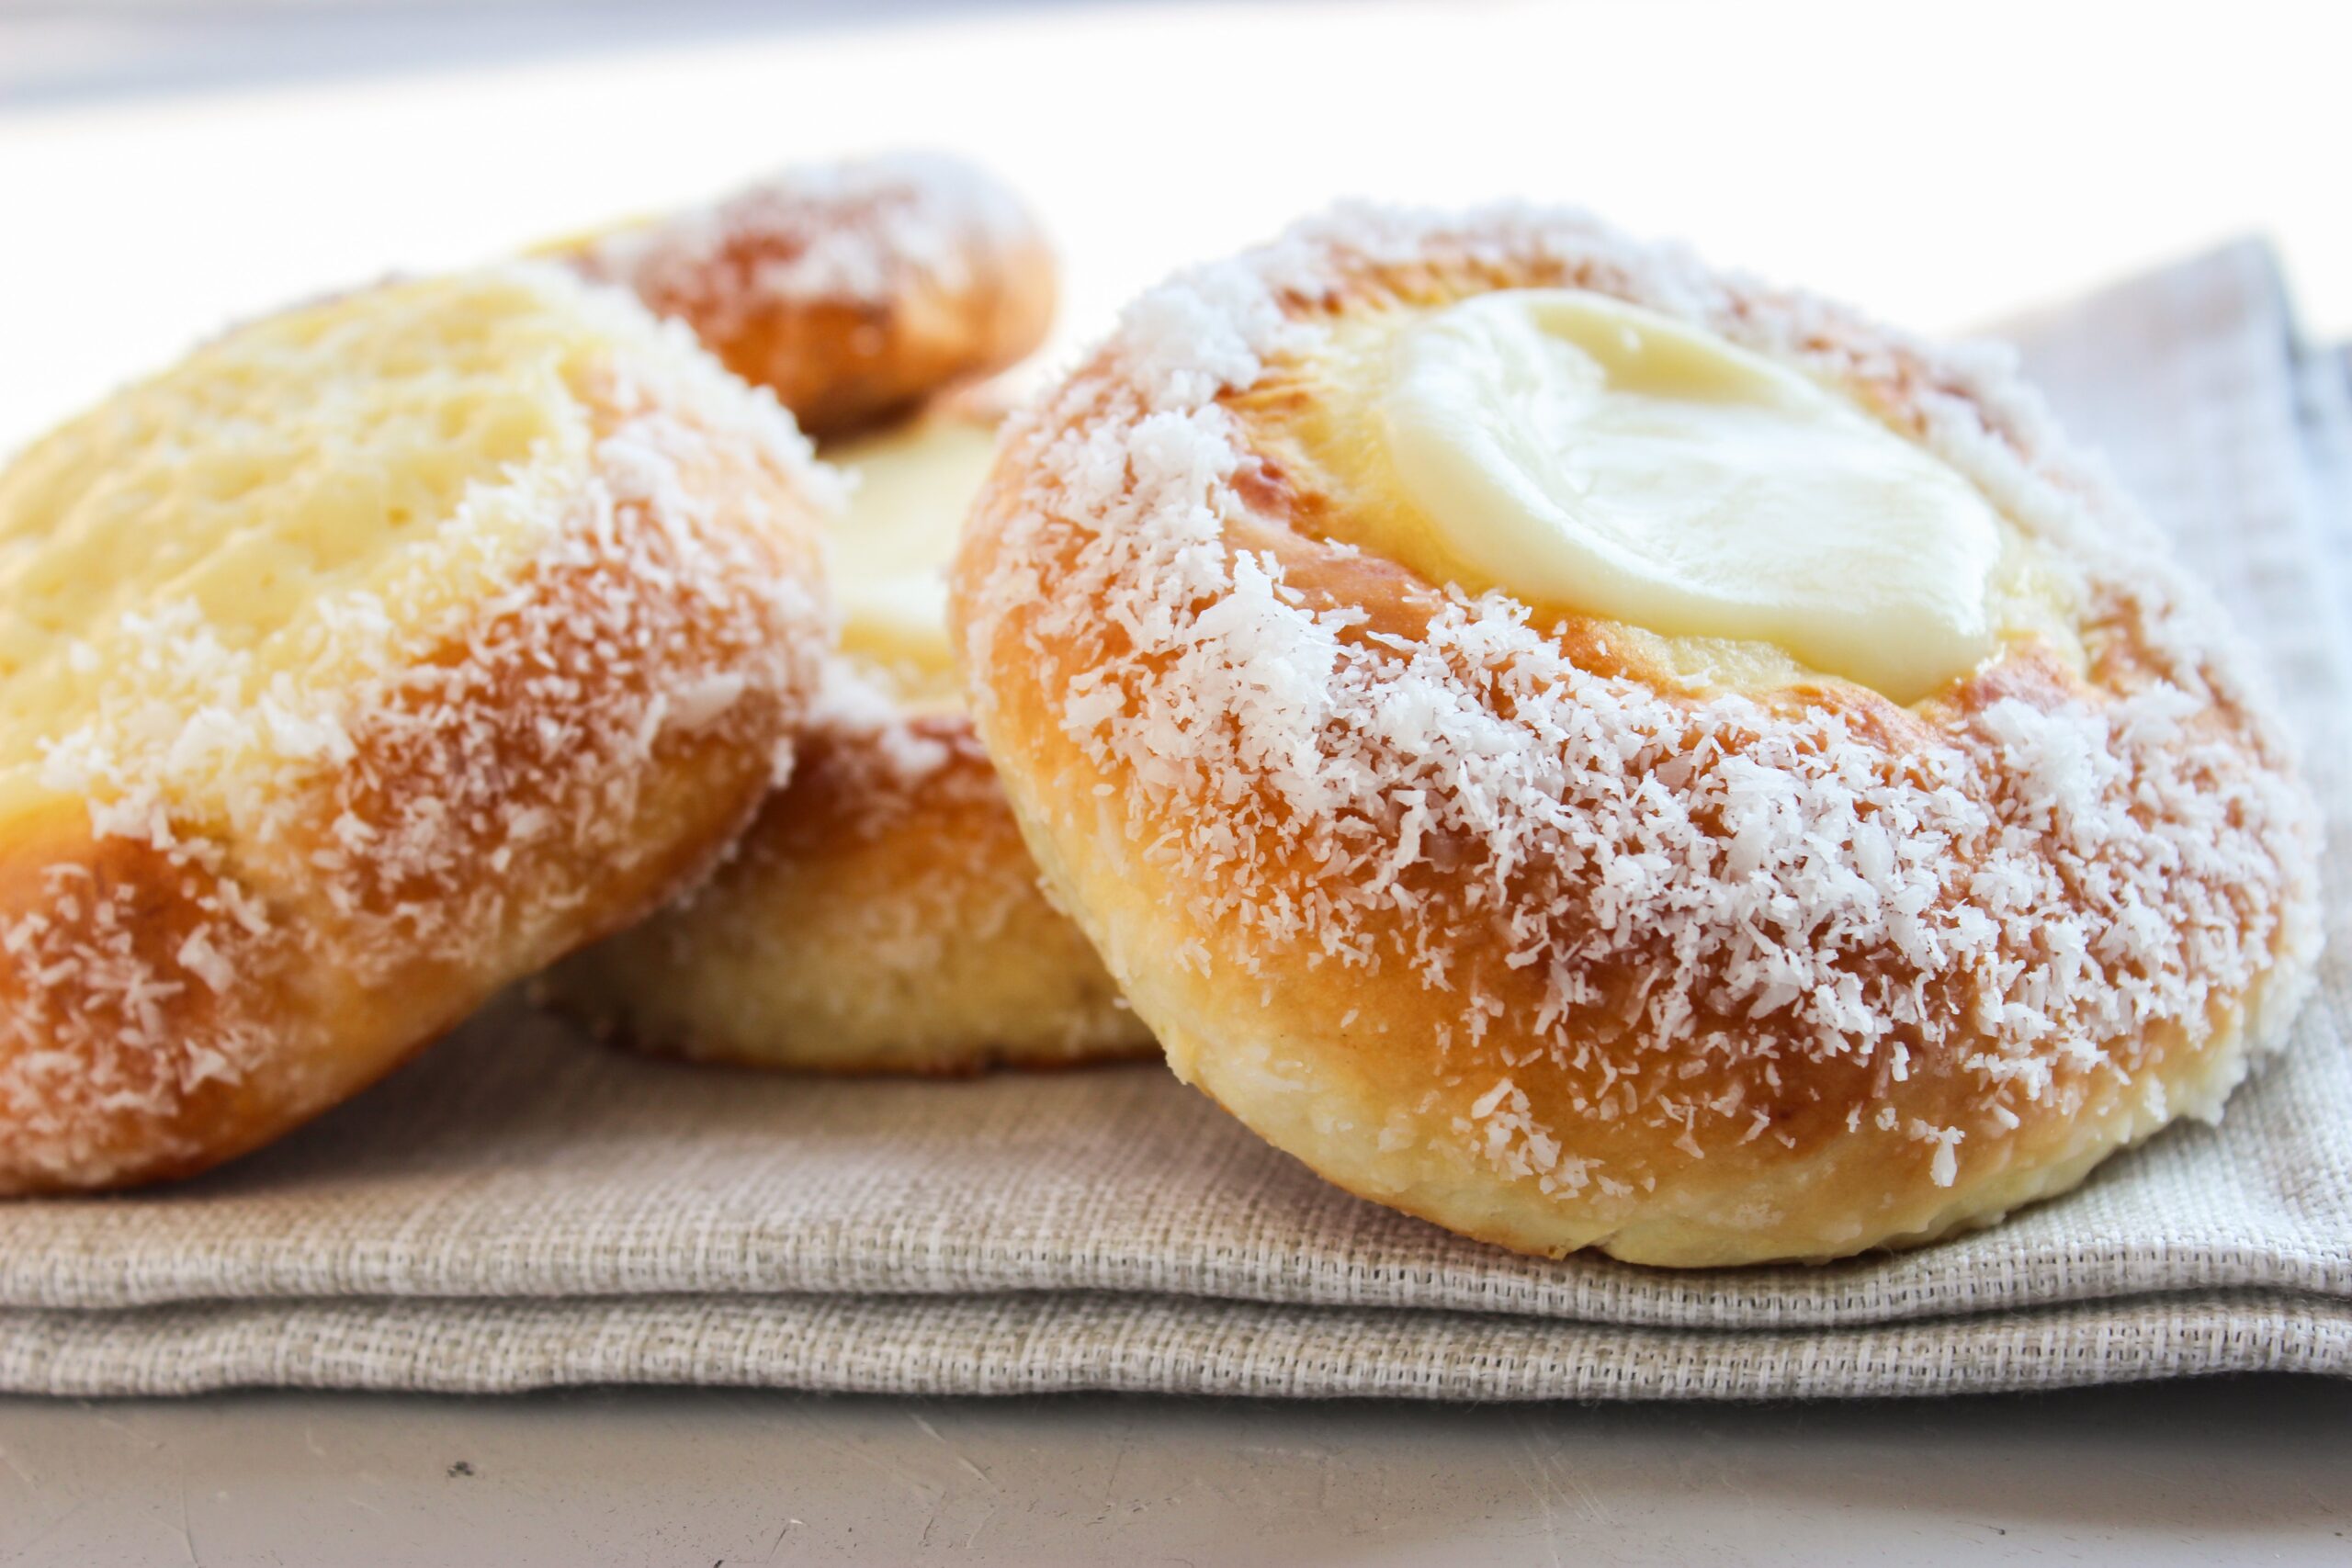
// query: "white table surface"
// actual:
[[163, 170], [2242, 1470]]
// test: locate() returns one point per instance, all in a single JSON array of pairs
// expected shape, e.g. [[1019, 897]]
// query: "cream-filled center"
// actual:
[[1575, 450], [889, 551]]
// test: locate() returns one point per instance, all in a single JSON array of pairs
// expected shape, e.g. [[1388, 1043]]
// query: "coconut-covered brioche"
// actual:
[[1561, 930], [375, 655], [882, 913], [855, 289]]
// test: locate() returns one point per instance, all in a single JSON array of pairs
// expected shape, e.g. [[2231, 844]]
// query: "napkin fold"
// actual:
[[520, 1209]]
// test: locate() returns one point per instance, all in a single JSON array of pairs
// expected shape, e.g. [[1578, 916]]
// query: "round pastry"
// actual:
[[882, 915], [1599, 754], [856, 291], [374, 656]]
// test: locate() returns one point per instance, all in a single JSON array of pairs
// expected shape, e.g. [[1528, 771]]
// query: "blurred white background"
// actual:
[[167, 166]]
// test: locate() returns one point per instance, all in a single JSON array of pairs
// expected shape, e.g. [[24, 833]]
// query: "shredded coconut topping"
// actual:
[[885, 751], [2019, 882], [863, 232], [436, 796]]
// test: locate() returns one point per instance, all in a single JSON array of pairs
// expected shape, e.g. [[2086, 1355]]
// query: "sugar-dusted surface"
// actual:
[[1619, 925]]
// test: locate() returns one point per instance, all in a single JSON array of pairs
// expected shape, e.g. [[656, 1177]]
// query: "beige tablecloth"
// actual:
[[520, 1209]]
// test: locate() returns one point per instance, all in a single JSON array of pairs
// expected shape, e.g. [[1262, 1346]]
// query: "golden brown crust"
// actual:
[[881, 915], [181, 984], [1505, 923], [853, 291], [140, 906]]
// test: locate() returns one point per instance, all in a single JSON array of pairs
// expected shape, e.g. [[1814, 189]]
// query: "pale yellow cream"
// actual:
[[1575, 450], [890, 552]]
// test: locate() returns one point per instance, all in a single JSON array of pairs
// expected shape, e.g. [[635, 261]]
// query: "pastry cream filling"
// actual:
[[1579, 451], [890, 550]]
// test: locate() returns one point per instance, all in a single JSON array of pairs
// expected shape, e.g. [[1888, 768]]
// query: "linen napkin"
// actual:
[[522, 1209]]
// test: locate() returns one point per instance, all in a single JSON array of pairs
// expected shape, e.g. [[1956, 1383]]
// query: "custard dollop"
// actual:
[[890, 551], [1575, 450]]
